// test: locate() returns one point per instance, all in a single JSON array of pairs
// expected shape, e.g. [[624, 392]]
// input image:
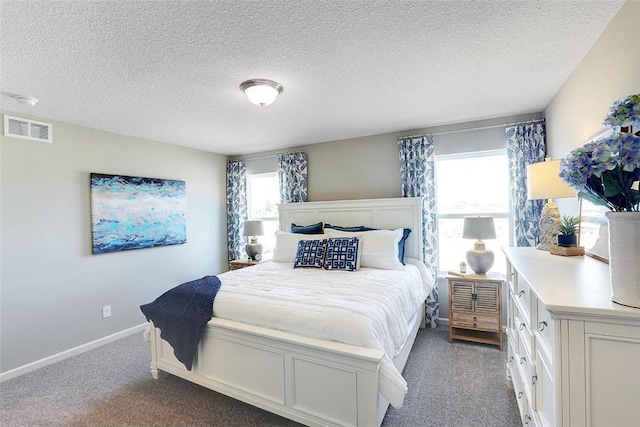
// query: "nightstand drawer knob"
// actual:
[[542, 325]]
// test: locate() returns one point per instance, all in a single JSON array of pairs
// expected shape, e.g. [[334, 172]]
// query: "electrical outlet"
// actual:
[[106, 311]]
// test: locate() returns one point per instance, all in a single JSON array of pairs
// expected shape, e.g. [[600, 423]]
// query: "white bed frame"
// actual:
[[314, 382]]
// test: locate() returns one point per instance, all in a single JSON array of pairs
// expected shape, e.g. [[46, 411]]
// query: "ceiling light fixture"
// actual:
[[26, 100], [261, 92], [20, 98]]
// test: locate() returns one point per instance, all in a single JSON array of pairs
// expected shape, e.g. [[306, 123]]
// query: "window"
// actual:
[[263, 196], [471, 184]]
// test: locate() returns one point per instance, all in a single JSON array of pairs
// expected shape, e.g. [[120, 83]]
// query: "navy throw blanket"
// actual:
[[182, 313]]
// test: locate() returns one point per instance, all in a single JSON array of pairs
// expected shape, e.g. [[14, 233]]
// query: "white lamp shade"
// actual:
[[261, 92], [543, 181], [253, 228], [478, 227]]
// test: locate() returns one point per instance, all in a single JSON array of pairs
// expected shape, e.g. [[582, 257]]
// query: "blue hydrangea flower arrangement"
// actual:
[[624, 112], [607, 171]]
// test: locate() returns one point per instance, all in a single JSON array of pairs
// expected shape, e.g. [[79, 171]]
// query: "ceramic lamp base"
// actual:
[[550, 222], [479, 259], [253, 249]]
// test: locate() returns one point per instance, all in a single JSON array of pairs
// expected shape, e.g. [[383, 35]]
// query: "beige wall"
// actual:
[[610, 71], [52, 287]]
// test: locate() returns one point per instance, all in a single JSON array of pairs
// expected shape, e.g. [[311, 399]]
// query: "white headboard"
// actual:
[[404, 212]]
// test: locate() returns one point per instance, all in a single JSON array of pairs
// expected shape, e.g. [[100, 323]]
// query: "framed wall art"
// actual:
[[135, 213]]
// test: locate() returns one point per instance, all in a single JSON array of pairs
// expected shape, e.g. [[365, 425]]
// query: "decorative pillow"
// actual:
[[307, 229], [310, 253], [342, 254], [287, 245], [379, 247], [405, 236], [352, 229], [356, 228]]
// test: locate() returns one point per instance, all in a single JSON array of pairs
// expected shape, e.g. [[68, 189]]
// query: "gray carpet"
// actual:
[[459, 384]]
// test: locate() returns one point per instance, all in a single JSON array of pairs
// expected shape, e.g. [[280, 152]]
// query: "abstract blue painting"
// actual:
[[134, 213]]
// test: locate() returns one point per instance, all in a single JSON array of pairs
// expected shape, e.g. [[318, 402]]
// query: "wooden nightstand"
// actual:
[[475, 308], [237, 264]]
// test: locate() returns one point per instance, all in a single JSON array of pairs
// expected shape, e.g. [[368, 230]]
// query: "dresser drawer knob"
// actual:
[[522, 360], [510, 359], [522, 325], [534, 379], [527, 419], [542, 325], [521, 293], [520, 395]]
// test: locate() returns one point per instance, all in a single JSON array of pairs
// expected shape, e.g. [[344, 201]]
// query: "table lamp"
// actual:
[[543, 182], [253, 248], [479, 259]]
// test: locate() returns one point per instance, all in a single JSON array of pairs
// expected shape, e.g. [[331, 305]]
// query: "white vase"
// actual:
[[624, 257]]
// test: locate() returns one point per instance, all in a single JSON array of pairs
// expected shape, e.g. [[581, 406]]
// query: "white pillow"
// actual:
[[287, 245], [379, 247]]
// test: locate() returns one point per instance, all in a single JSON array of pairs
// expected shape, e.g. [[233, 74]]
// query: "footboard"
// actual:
[[314, 382]]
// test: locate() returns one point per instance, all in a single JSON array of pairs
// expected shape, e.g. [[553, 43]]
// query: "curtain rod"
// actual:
[[472, 129], [270, 156]]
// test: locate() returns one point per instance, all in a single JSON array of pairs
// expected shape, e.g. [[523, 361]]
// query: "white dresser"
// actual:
[[574, 355]]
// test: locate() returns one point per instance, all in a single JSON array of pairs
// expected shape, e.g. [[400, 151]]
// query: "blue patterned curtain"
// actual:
[[525, 145], [292, 174], [236, 207], [417, 175]]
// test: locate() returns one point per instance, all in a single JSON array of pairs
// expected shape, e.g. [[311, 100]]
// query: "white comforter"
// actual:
[[368, 308]]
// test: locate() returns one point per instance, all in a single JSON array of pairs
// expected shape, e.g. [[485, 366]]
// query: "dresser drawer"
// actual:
[[483, 322], [524, 362], [545, 329]]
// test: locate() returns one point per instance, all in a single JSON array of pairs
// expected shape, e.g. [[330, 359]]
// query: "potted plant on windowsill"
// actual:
[[568, 235]]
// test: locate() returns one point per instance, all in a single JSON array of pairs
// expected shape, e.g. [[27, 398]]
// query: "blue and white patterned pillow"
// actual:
[[310, 253], [342, 254]]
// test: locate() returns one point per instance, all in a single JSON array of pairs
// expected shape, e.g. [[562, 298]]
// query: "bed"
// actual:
[[315, 381]]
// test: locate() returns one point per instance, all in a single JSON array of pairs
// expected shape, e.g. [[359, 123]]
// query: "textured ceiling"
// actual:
[[170, 70]]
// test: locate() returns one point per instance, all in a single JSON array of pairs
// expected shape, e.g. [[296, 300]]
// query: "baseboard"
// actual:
[[21, 370]]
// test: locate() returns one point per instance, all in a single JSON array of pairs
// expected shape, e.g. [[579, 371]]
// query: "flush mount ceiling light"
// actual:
[[20, 98], [26, 100], [261, 92]]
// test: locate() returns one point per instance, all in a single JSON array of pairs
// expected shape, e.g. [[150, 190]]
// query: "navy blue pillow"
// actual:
[[310, 253], [307, 229], [357, 228], [405, 236], [342, 254]]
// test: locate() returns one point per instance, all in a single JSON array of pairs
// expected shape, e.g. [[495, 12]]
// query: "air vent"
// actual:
[[27, 129]]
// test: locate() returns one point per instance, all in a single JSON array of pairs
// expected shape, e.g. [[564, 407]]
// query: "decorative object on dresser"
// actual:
[[237, 264], [543, 182], [479, 259], [568, 238], [475, 308], [253, 229], [568, 232], [607, 172], [573, 353]]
